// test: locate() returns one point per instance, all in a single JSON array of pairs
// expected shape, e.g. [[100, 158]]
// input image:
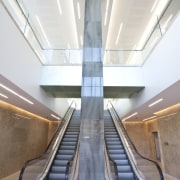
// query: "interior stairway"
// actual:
[[66, 149], [116, 150]]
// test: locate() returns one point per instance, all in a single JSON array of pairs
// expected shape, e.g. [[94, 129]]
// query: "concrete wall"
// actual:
[[167, 125], [52, 129], [23, 136]]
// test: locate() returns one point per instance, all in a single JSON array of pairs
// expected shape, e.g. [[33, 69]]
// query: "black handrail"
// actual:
[[157, 165], [50, 143], [114, 163], [68, 163]]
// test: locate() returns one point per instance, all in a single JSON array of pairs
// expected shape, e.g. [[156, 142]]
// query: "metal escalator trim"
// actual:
[[130, 156], [155, 163], [74, 160], [67, 116], [114, 163]]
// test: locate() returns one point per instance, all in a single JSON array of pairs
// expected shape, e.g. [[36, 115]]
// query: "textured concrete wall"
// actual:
[[169, 131], [167, 125], [52, 129], [22, 137], [137, 133]]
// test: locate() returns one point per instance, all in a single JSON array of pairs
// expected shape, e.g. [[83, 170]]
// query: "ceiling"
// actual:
[[65, 31], [58, 27], [170, 96], [75, 91], [14, 99]]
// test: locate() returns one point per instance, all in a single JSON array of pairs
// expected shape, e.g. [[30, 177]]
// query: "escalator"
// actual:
[[66, 149], [116, 150]]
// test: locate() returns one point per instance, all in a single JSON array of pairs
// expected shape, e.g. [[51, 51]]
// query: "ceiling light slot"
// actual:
[[155, 102], [78, 10], [42, 29], [59, 7], [16, 94]]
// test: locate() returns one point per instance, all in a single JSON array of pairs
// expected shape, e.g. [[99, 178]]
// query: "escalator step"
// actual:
[[112, 139], [113, 147], [70, 136], [116, 151], [124, 168], [118, 156], [63, 157], [69, 139], [113, 143], [60, 169], [65, 147], [56, 176], [60, 162], [122, 162], [64, 152], [68, 143], [126, 176]]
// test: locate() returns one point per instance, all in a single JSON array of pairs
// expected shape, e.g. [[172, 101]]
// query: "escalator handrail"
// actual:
[[69, 110], [72, 159], [61, 124], [114, 163], [156, 164]]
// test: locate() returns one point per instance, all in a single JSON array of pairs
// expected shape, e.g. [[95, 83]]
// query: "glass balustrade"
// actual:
[[134, 56]]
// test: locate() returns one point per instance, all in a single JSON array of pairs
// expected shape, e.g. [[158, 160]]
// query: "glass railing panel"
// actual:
[[134, 56]]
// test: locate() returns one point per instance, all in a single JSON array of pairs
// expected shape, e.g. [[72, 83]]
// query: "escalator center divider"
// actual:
[[66, 150]]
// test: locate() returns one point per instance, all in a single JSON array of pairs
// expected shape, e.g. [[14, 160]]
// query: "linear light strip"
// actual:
[[56, 117], [154, 5], [119, 32], [78, 8], [81, 40], [152, 117], [42, 29], [155, 102], [22, 116], [166, 23], [59, 7], [134, 114], [13, 92], [4, 96], [107, 6]]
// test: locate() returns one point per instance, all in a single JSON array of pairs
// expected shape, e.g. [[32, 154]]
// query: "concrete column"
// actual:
[[91, 154]]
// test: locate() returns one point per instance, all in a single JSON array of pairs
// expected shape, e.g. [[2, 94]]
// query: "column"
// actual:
[[91, 152]]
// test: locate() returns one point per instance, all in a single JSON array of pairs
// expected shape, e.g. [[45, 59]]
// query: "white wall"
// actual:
[[20, 65], [71, 75], [160, 70]]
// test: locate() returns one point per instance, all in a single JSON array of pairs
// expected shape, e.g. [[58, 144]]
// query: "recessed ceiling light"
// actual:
[[106, 13], [59, 7], [152, 117], [13, 92], [22, 116], [4, 96], [81, 39], [54, 116], [134, 114], [166, 23], [119, 32], [154, 5], [78, 9], [42, 29], [155, 102]]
